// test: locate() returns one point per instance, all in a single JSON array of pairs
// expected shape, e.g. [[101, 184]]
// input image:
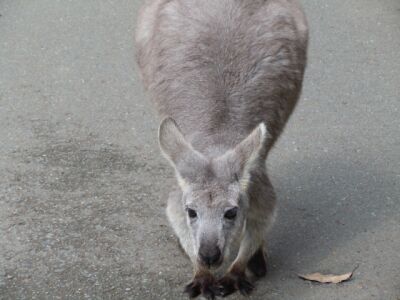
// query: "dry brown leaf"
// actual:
[[318, 277]]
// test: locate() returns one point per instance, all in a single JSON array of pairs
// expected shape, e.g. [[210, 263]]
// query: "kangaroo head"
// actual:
[[214, 190]]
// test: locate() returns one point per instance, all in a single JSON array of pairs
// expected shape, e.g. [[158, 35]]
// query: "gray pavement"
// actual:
[[83, 186]]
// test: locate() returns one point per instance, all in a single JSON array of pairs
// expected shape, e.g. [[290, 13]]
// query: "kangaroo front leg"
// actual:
[[203, 283], [235, 279]]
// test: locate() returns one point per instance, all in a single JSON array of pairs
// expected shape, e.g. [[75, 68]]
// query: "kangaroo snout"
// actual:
[[210, 256]]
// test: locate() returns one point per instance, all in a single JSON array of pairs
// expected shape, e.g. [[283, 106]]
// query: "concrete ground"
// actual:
[[83, 186]]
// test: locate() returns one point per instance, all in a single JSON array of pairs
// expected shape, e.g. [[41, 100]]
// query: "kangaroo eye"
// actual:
[[231, 214], [192, 213]]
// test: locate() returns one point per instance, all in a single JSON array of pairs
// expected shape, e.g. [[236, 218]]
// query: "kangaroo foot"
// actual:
[[202, 284], [232, 282]]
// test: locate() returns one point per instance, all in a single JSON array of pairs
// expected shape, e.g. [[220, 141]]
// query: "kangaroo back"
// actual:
[[219, 68]]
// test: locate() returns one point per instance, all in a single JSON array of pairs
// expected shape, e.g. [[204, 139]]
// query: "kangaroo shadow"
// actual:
[[324, 205]]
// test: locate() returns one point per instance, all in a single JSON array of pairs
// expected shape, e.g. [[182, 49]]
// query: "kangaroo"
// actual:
[[224, 77]]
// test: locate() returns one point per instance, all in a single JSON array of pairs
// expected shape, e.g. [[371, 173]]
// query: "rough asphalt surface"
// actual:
[[83, 186]]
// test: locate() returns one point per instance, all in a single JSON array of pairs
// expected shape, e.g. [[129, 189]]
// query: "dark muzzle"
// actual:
[[210, 255]]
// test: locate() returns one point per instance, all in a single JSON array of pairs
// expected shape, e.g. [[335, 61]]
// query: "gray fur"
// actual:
[[217, 71]]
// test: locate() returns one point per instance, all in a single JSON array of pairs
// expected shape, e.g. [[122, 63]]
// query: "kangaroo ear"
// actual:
[[178, 151], [253, 146], [172, 142], [240, 159]]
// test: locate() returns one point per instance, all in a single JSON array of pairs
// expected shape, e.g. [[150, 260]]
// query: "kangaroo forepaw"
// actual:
[[202, 285], [231, 283]]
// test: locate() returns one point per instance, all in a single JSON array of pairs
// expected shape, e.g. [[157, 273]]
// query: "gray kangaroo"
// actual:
[[224, 76]]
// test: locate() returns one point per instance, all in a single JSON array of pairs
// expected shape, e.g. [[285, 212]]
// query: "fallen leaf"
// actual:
[[318, 277]]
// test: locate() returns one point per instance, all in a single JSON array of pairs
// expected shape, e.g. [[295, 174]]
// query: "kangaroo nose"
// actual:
[[210, 256]]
